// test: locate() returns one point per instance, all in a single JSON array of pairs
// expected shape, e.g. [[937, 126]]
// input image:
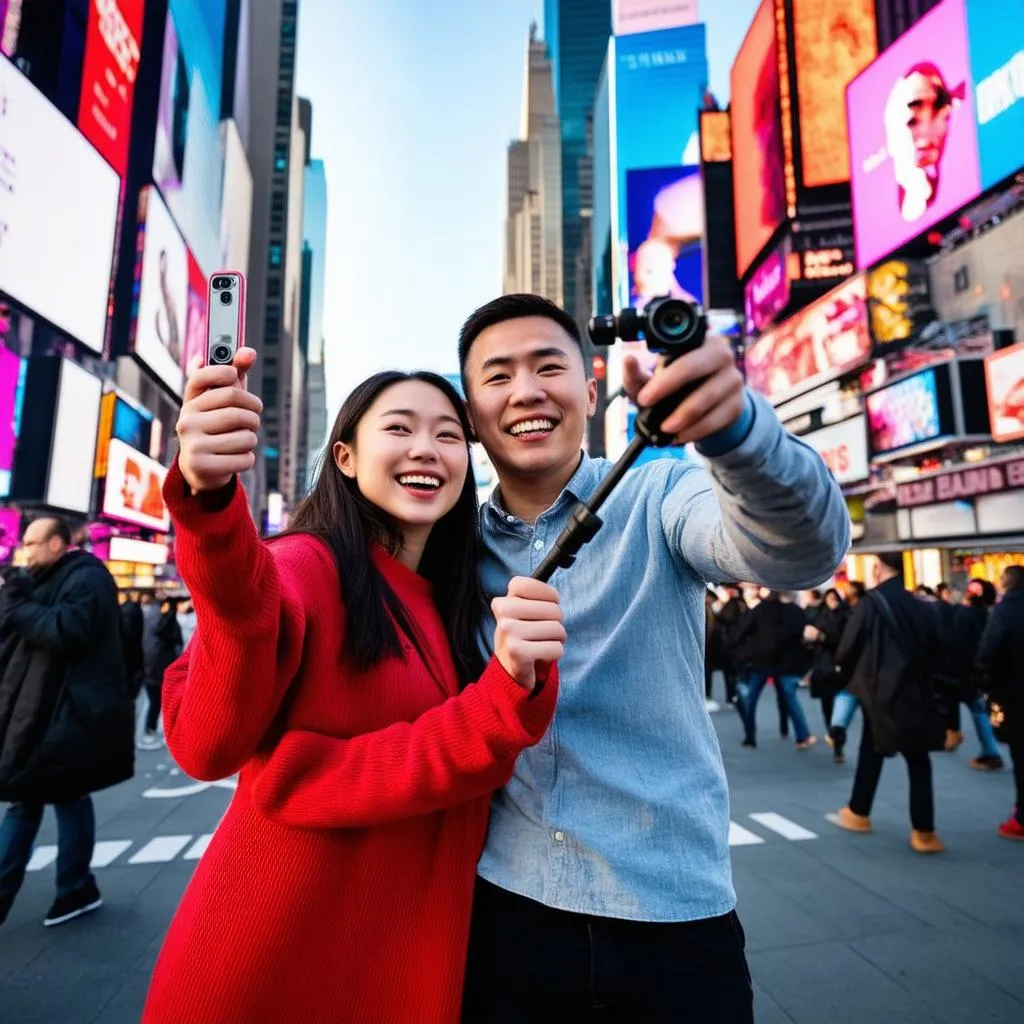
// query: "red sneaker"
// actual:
[[1012, 829]]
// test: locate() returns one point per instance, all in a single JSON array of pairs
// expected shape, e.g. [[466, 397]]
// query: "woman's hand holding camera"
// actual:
[[218, 424], [528, 629]]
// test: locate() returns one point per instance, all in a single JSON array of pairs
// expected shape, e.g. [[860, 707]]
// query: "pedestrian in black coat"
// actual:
[[829, 624]]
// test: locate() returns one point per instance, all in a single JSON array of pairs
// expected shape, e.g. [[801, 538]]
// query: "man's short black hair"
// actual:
[[1013, 577], [892, 560], [512, 307], [58, 528]]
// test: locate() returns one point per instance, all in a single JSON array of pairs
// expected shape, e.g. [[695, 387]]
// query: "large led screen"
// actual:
[[133, 492], [162, 318], [659, 82], [58, 213], [913, 137], [188, 164], [1004, 377], [73, 449], [759, 189], [833, 43], [997, 67], [665, 214], [113, 46], [12, 390], [911, 411], [827, 339]]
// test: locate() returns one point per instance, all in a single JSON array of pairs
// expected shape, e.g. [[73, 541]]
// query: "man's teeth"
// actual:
[[420, 481], [532, 427]]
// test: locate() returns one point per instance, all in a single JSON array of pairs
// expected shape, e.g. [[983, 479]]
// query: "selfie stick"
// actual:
[[584, 522]]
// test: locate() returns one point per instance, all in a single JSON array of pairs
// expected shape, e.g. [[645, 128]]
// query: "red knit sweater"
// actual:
[[338, 885]]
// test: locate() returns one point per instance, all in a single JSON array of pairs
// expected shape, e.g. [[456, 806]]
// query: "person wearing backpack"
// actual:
[[891, 653]]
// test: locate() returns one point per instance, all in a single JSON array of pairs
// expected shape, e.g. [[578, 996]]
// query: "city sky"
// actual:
[[413, 107]]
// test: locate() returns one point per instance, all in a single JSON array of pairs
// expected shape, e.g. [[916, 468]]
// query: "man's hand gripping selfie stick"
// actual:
[[672, 328]]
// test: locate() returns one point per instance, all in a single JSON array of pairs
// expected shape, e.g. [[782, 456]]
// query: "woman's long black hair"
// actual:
[[336, 512]]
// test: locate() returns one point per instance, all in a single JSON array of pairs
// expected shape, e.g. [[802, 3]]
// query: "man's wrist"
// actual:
[[729, 439]]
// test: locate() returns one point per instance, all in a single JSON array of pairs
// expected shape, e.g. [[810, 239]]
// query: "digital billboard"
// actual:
[[1004, 377], [997, 67], [833, 43], [12, 390], [113, 41], [133, 492], [767, 292], [10, 518], [73, 448], [911, 411], [195, 320], [659, 83], [913, 136], [843, 447], [162, 316], [759, 189], [629, 16], [715, 136], [54, 186], [827, 339], [665, 221], [188, 164]]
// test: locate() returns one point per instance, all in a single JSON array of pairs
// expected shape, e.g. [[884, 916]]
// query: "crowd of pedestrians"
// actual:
[[911, 662]]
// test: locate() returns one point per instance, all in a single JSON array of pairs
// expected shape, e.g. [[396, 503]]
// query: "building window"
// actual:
[[275, 255]]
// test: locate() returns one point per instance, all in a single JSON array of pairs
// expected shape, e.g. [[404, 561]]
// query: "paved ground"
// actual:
[[840, 927]]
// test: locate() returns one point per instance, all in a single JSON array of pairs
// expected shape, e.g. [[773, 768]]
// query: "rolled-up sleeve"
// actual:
[[766, 512]]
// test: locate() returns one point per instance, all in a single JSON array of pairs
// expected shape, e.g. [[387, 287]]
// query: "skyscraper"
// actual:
[[577, 34], [533, 259]]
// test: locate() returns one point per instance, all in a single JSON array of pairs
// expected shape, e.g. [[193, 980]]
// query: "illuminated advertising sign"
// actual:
[[665, 226], [898, 300], [844, 449], [134, 489], [996, 39], [113, 38], [767, 292], [715, 136], [962, 484], [759, 189], [911, 411], [1004, 377], [827, 339], [629, 16], [833, 43], [659, 80], [826, 264], [913, 135]]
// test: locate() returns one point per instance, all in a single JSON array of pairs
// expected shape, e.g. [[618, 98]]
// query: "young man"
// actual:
[[605, 886]]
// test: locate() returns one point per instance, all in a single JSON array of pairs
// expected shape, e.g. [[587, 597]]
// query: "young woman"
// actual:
[[332, 667]]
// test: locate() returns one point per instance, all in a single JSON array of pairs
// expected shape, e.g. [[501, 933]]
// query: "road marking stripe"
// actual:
[[42, 856], [783, 826], [108, 851], [740, 836], [198, 848], [160, 850]]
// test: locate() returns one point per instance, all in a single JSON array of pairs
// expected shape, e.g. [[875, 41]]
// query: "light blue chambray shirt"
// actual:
[[622, 809]]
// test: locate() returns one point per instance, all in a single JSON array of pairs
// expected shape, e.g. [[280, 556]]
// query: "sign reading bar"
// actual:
[[962, 484]]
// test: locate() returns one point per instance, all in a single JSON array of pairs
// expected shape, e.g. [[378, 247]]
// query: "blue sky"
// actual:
[[413, 107]]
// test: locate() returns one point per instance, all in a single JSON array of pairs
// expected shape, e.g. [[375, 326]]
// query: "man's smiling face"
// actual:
[[529, 397]]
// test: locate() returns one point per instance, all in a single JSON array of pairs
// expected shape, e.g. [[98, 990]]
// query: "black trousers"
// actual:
[[828, 702], [1017, 757], [529, 964], [869, 771], [153, 695]]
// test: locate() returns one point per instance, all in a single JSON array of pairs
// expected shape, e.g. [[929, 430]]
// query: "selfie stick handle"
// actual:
[[584, 521]]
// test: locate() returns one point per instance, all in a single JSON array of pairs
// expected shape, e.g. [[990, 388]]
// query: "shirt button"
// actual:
[[538, 545], [559, 837]]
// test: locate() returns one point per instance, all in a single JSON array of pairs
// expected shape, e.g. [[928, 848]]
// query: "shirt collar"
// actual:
[[581, 486]]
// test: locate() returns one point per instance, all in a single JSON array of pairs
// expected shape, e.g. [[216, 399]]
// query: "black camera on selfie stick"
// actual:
[[671, 328]]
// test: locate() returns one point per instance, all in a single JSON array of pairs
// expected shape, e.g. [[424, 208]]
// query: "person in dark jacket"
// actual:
[[65, 608], [161, 645], [773, 637], [868, 654], [966, 627], [828, 626], [131, 639], [1000, 662], [729, 617]]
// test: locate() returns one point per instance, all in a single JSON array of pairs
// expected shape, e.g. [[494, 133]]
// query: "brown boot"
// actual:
[[953, 740], [926, 842], [846, 819]]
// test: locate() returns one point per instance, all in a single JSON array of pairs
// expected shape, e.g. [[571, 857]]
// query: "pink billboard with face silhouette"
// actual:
[[913, 135]]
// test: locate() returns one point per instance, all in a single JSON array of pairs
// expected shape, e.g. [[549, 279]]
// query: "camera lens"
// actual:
[[222, 354], [225, 298], [674, 323], [218, 283]]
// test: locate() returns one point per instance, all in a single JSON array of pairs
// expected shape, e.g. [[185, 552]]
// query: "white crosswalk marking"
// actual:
[[160, 850], [108, 851], [42, 857], [740, 836], [198, 848], [783, 826]]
